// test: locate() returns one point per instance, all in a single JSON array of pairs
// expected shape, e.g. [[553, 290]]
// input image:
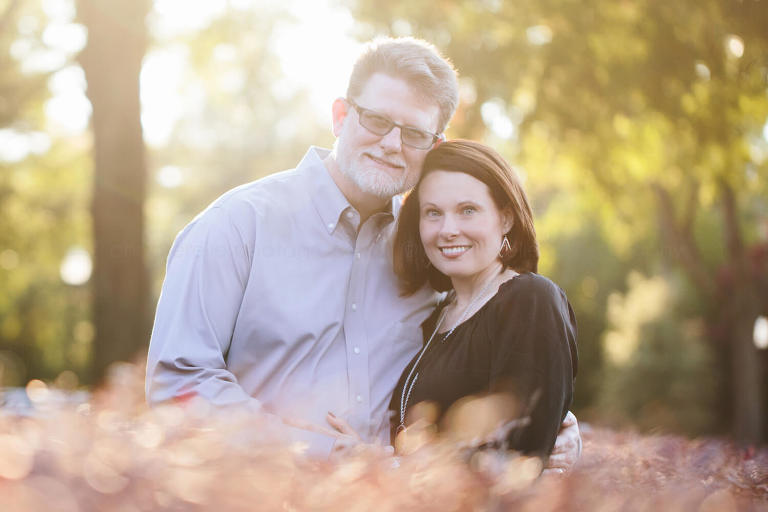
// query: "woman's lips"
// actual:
[[454, 251]]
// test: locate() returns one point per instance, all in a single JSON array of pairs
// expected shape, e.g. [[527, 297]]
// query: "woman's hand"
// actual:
[[567, 448], [347, 439]]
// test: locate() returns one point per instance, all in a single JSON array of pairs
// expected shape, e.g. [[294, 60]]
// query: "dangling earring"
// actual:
[[506, 248]]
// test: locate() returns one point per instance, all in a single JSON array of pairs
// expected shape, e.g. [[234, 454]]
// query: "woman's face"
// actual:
[[460, 225]]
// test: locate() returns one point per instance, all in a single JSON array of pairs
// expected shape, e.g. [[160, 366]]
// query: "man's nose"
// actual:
[[392, 142]]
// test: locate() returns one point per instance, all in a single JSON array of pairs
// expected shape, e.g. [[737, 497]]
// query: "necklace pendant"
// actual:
[[400, 428]]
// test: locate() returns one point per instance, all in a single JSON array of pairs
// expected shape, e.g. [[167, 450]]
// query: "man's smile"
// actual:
[[385, 163]]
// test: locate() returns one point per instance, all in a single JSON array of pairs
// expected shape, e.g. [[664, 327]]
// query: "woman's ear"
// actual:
[[507, 219], [339, 112]]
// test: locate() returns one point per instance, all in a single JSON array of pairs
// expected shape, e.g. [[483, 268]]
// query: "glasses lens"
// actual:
[[417, 138], [382, 125], [378, 124]]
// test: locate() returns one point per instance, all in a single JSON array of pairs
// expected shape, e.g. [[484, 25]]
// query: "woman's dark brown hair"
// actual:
[[484, 164]]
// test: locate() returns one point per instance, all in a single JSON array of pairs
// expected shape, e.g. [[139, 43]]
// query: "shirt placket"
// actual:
[[354, 324]]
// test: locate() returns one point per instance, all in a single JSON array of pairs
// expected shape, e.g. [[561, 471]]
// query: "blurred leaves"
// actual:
[[113, 453]]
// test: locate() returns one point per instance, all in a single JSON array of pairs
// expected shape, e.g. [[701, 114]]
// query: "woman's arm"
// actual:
[[534, 360]]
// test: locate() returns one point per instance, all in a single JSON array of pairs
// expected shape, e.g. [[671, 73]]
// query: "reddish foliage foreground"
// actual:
[[115, 454]]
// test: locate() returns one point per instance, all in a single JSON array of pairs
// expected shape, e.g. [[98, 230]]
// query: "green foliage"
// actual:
[[43, 321], [657, 373], [21, 28], [44, 325], [634, 123], [240, 122]]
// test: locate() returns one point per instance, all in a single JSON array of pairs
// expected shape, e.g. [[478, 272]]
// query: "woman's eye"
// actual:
[[432, 213], [468, 210]]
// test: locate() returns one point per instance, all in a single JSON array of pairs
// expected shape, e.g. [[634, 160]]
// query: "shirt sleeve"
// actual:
[[206, 275], [534, 360]]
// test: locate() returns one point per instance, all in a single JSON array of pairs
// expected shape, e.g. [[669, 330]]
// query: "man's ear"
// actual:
[[339, 110]]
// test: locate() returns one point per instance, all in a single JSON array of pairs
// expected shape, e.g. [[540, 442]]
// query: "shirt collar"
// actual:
[[329, 202], [325, 195]]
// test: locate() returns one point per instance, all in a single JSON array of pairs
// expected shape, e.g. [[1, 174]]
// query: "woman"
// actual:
[[502, 330]]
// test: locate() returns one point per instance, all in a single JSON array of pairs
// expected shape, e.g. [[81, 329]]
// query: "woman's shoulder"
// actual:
[[532, 285], [529, 297]]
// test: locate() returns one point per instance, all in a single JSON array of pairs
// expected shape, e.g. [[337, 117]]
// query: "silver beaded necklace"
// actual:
[[405, 396]]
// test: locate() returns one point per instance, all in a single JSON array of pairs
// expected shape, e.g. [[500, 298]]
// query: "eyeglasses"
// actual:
[[379, 124]]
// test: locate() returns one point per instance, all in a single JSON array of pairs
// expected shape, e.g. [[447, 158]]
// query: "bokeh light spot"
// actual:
[[760, 333], [735, 46], [37, 391], [17, 457], [76, 267], [539, 35]]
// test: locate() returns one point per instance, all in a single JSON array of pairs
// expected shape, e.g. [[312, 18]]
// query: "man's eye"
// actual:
[[380, 122], [415, 135]]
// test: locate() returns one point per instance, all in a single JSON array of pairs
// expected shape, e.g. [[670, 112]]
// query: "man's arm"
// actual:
[[567, 448], [207, 271]]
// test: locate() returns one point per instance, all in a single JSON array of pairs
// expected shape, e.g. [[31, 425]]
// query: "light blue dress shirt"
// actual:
[[276, 298]]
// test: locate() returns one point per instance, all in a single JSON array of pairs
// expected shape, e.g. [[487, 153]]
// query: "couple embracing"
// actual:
[[315, 296]]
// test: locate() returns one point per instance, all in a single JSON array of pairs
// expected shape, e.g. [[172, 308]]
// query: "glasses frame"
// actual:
[[361, 113]]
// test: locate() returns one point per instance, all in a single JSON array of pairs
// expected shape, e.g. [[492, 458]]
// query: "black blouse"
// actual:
[[521, 342]]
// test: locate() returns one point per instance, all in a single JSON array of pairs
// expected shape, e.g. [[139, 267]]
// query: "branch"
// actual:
[[731, 232], [689, 211]]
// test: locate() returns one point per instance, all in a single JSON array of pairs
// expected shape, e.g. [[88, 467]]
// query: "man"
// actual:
[[280, 296]]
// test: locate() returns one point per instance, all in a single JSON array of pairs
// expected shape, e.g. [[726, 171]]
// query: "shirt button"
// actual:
[[330, 226], [359, 399], [354, 307], [357, 255], [356, 350]]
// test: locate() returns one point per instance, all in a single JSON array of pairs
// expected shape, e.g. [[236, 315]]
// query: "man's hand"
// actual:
[[567, 448]]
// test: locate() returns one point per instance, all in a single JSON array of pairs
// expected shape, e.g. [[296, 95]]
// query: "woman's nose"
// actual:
[[449, 227]]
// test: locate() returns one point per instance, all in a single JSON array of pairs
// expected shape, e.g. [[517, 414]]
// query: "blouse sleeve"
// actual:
[[533, 343]]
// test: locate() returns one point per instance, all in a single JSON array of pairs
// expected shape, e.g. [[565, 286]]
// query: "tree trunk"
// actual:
[[748, 394], [736, 299], [112, 62], [742, 309]]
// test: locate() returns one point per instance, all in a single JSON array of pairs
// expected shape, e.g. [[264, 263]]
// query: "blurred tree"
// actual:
[[112, 59], [241, 119], [659, 374], [44, 324], [17, 90], [652, 114]]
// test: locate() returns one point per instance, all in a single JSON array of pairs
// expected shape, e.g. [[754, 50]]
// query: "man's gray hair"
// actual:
[[417, 62]]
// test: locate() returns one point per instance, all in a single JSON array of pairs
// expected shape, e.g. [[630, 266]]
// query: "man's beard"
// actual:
[[375, 182]]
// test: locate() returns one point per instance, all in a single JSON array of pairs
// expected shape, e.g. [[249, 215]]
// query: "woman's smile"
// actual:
[[454, 251]]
